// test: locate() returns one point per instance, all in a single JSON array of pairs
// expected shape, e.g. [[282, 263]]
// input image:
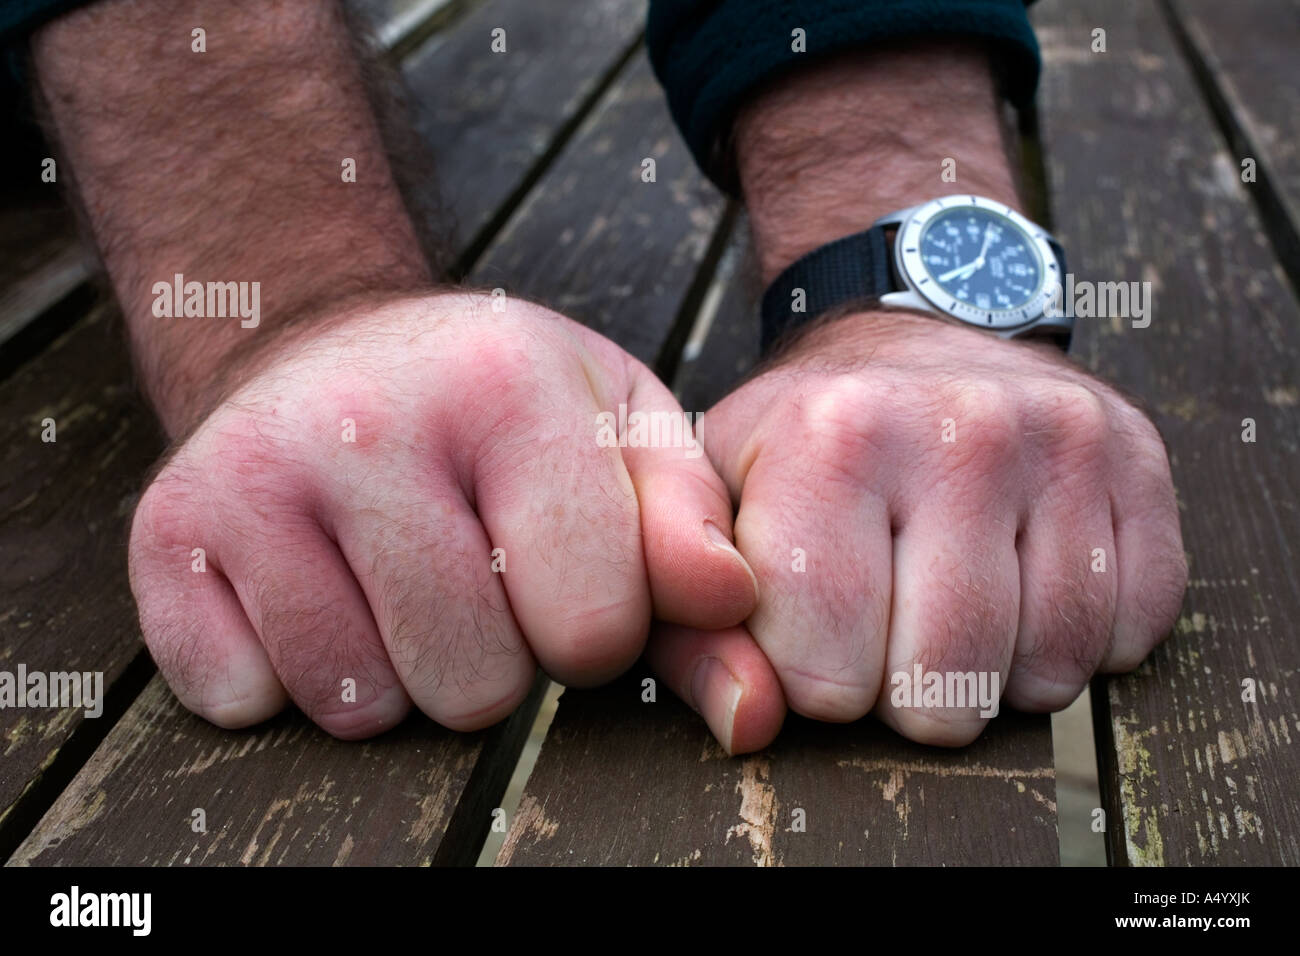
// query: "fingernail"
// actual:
[[716, 693], [721, 541]]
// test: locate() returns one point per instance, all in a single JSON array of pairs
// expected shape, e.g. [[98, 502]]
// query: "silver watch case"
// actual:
[[1035, 317]]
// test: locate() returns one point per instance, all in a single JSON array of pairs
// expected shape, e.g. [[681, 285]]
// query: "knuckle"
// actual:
[[499, 354], [826, 698], [470, 715], [236, 713], [935, 729], [503, 362], [1034, 694], [253, 458], [847, 423], [594, 645], [984, 403], [1078, 419], [986, 420], [162, 515], [514, 376], [233, 703], [1138, 427], [1128, 655]]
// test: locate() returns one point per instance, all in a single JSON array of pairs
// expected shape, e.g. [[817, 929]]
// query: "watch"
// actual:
[[965, 258]]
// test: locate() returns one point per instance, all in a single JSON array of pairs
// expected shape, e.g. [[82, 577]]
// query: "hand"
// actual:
[[349, 497], [916, 493]]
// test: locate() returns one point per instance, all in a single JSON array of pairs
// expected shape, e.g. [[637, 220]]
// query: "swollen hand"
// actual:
[[924, 504], [411, 505]]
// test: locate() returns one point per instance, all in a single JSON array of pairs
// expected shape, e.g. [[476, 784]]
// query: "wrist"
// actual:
[[901, 338], [831, 148], [353, 328]]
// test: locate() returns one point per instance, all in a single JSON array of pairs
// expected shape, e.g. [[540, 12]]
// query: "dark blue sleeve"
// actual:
[[20, 17], [710, 54]]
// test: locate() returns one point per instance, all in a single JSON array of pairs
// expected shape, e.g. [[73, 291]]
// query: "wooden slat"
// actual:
[[1248, 53], [724, 343], [63, 512], [623, 782], [140, 769], [66, 505], [61, 269], [282, 793], [504, 111], [1144, 189], [394, 20], [595, 242], [40, 263], [39, 259]]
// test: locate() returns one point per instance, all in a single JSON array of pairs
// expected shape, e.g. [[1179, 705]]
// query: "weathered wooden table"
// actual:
[[540, 152]]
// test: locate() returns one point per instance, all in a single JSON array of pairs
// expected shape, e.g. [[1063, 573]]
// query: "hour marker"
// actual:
[[913, 249], [923, 282]]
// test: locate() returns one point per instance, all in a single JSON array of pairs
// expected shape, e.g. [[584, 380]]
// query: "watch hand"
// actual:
[[970, 268], [952, 273], [978, 264]]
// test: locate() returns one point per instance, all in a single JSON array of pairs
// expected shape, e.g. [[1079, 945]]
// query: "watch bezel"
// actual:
[[907, 259]]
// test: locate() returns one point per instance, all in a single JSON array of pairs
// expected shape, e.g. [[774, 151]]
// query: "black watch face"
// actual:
[[981, 259]]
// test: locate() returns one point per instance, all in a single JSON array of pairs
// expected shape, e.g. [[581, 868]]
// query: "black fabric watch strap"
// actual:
[[855, 268], [852, 269]]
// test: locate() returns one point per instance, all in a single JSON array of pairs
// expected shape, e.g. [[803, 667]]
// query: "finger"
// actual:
[[1151, 566], [956, 600], [697, 577], [564, 510], [821, 548], [438, 597], [1067, 608], [314, 622], [724, 677], [192, 622], [1067, 558]]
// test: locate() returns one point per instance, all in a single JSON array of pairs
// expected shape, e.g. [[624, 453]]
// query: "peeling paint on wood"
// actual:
[[624, 782]]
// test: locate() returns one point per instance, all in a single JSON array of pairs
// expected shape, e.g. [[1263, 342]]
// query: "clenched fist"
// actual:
[[410, 503], [917, 497]]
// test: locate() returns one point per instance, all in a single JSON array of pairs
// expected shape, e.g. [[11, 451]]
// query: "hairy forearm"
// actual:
[[831, 148], [223, 166]]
